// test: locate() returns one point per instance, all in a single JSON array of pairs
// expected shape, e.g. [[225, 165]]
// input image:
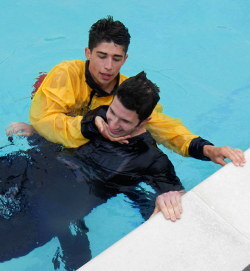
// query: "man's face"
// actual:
[[122, 121], [105, 62]]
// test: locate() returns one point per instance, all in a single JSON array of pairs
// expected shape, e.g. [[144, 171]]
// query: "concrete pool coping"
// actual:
[[213, 234]]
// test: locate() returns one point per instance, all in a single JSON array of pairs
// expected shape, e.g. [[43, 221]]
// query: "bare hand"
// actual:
[[20, 129], [102, 126], [218, 154], [169, 204]]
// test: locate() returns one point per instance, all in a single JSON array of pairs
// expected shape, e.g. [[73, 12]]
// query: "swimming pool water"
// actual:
[[197, 52]]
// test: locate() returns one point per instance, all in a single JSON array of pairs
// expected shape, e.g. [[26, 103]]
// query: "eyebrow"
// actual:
[[102, 53], [113, 112]]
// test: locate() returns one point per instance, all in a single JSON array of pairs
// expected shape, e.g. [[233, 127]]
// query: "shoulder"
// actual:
[[122, 78], [66, 71], [71, 63], [157, 158], [77, 66], [160, 161]]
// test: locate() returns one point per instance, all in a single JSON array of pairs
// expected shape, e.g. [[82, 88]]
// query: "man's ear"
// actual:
[[87, 53], [125, 58], [144, 122]]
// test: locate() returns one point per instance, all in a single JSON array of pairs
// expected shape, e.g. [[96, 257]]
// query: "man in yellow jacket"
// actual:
[[72, 88]]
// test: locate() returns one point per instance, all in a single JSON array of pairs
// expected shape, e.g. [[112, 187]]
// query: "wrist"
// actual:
[[207, 150], [196, 148]]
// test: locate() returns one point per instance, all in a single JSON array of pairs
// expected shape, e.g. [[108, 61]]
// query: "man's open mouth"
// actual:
[[106, 76]]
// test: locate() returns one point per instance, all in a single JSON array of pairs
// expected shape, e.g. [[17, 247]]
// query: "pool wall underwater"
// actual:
[[197, 52]]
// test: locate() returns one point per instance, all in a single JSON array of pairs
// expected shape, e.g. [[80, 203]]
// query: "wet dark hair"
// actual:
[[139, 94], [108, 30]]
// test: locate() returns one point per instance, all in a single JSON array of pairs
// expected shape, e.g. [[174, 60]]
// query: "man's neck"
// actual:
[[110, 87], [138, 132]]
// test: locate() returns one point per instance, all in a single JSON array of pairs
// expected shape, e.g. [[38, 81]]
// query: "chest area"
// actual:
[[119, 159]]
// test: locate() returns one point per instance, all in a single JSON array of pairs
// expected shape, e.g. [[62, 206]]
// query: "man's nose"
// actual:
[[114, 124], [109, 64]]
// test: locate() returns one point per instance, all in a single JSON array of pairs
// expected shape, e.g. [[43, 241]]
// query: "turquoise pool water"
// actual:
[[198, 52]]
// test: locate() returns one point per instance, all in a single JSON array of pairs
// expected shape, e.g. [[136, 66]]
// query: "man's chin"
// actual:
[[116, 135]]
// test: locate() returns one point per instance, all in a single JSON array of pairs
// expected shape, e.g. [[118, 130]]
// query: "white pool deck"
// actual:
[[213, 233]]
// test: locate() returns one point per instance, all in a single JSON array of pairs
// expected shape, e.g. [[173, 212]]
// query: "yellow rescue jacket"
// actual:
[[63, 99]]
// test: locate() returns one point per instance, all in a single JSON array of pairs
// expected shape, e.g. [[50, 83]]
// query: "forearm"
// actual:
[[199, 149], [88, 125], [60, 128]]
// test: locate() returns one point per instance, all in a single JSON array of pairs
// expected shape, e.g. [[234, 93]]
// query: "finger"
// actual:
[[173, 208], [178, 209], [9, 131], [235, 155], [156, 211], [220, 161], [100, 129], [240, 157], [99, 126], [124, 142], [22, 133], [99, 122], [122, 139], [172, 214], [9, 128], [164, 209], [179, 202], [17, 130]]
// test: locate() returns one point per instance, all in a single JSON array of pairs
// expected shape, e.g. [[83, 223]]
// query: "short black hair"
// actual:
[[108, 30], [139, 94]]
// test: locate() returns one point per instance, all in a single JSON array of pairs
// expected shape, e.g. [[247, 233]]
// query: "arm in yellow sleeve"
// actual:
[[60, 95], [170, 132]]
